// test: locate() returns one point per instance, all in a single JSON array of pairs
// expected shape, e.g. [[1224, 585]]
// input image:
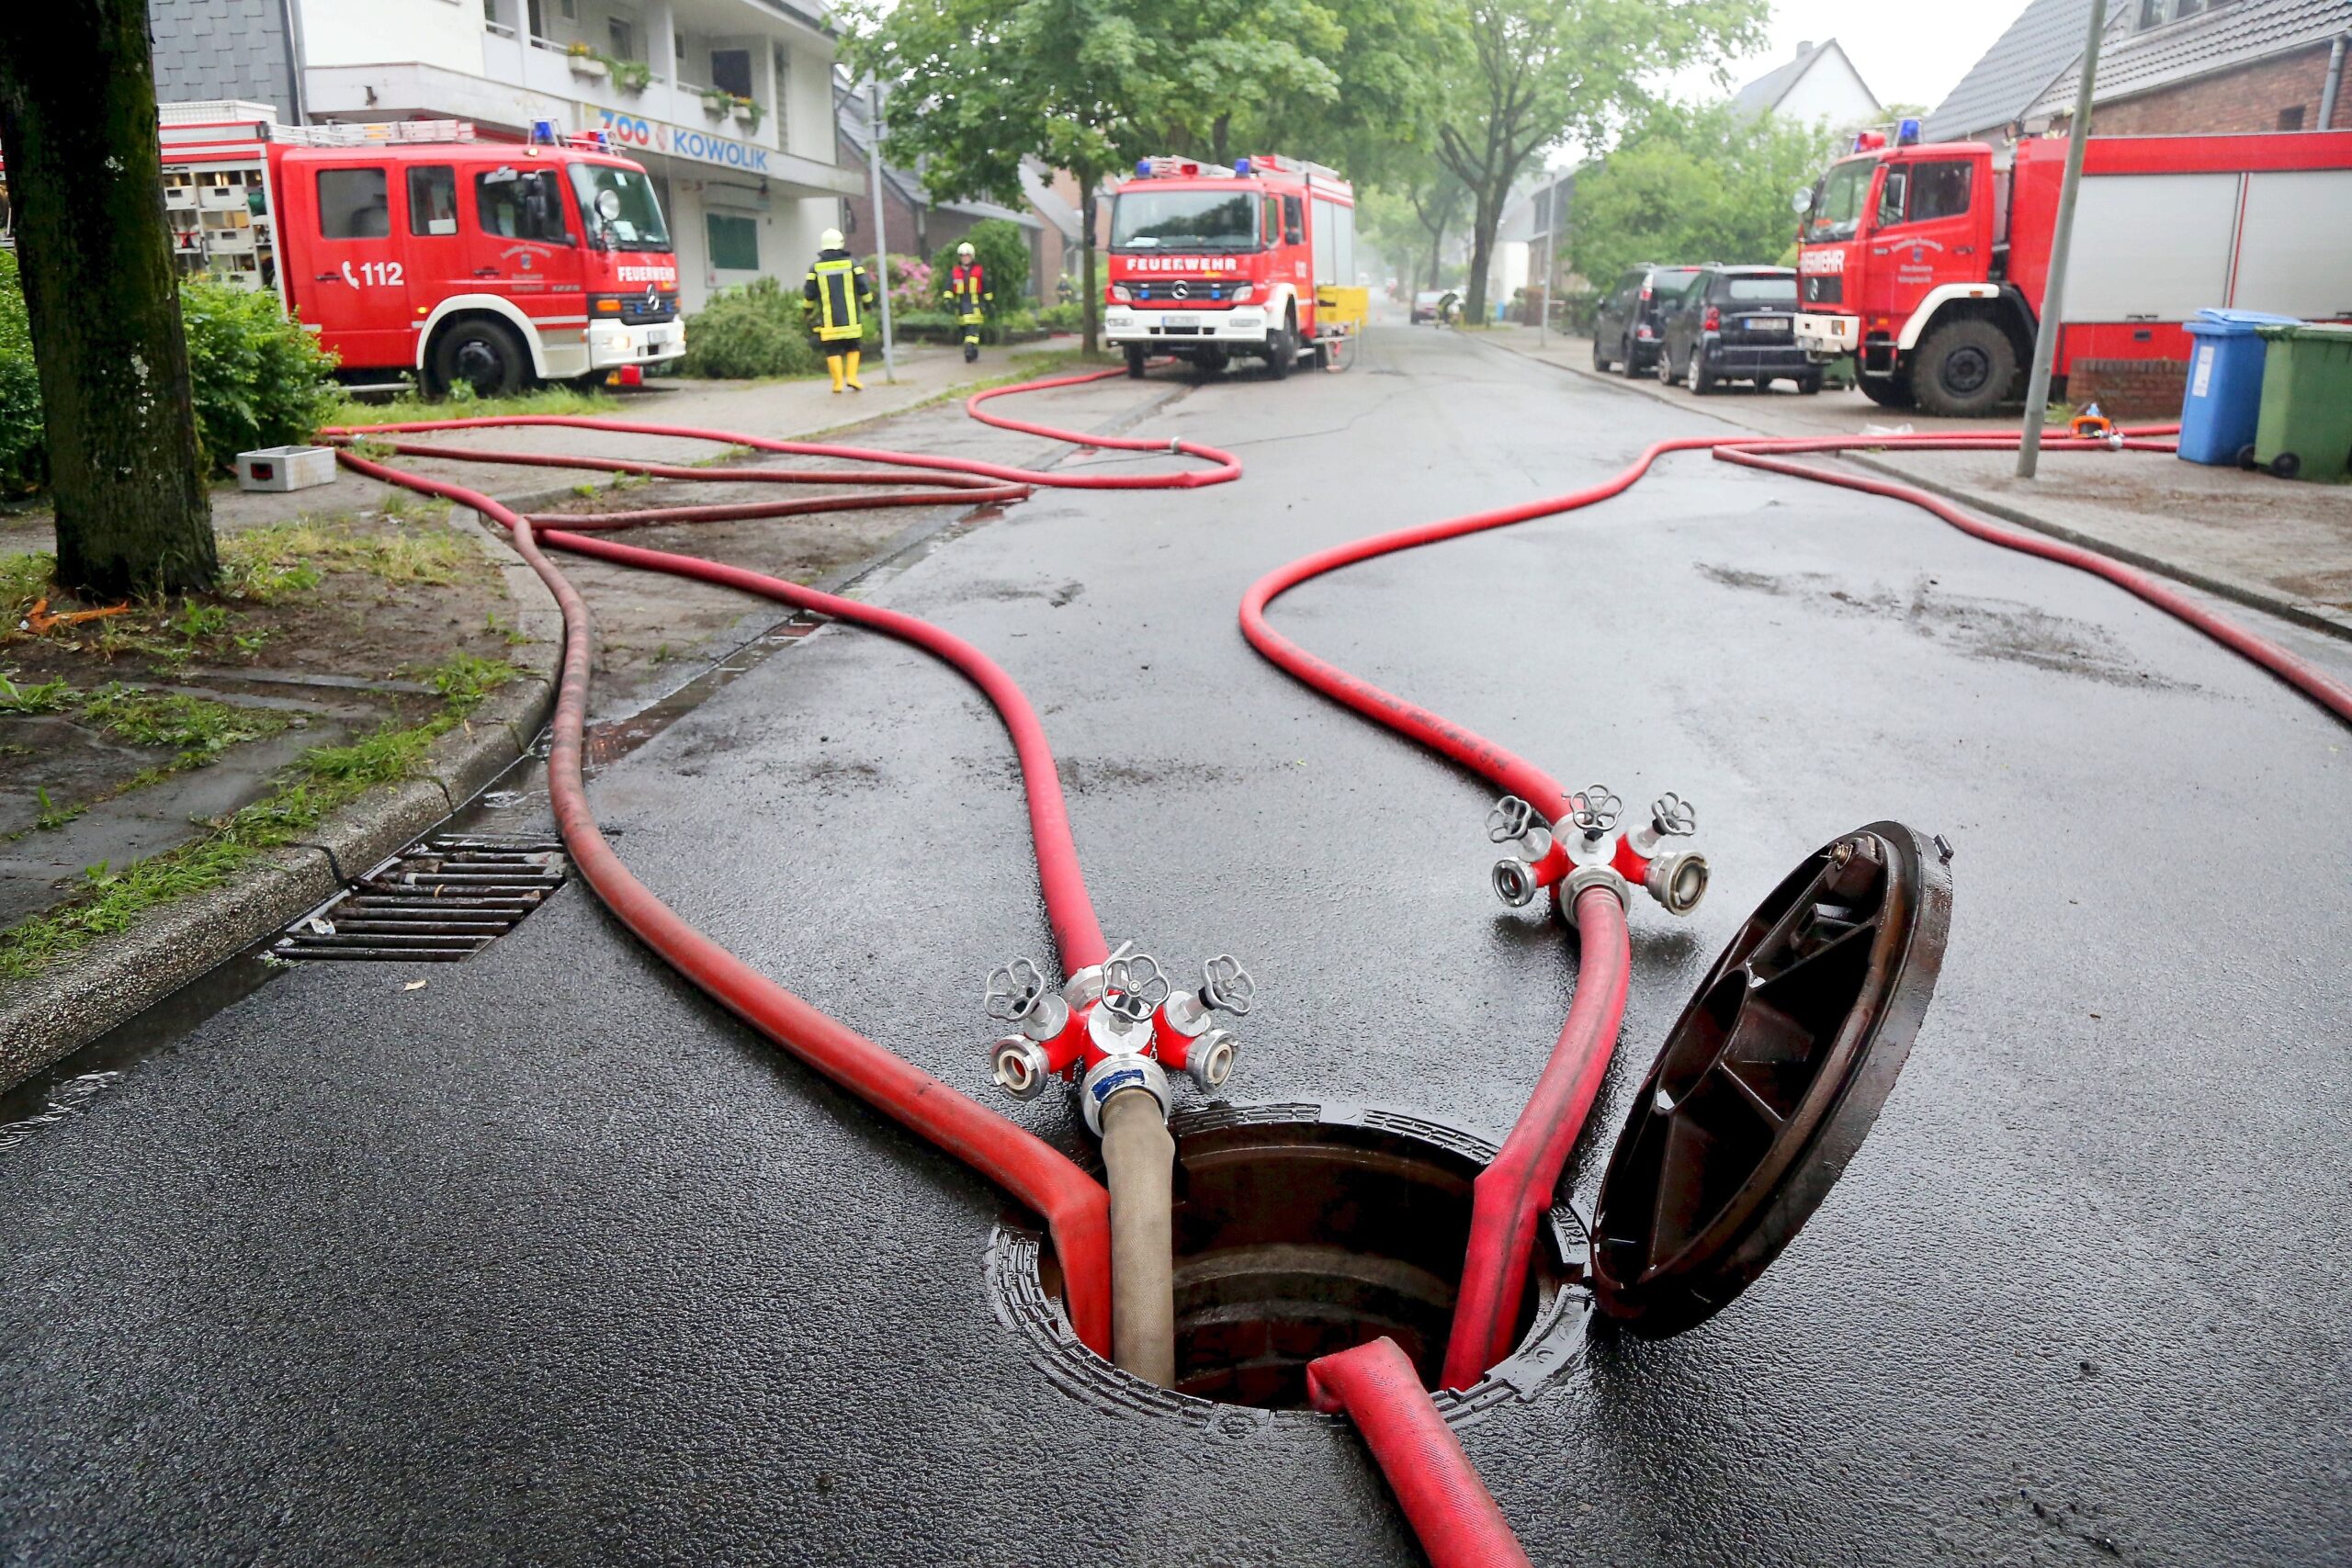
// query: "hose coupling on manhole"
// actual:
[[1123, 1008]]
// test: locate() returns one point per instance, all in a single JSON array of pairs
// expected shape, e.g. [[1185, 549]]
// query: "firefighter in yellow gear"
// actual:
[[836, 297], [967, 285]]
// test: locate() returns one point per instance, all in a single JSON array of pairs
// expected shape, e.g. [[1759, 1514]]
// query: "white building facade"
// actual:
[[727, 103]]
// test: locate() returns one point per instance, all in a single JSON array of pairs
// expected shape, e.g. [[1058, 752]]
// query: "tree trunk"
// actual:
[[1091, 312], [1222, 139], [77, 126], [1486, 219]]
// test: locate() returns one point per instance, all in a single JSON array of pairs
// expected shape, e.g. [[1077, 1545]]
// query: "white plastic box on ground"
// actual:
[[285, 467]]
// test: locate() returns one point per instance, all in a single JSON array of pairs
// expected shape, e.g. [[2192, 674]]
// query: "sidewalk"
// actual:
[[2278, 546]]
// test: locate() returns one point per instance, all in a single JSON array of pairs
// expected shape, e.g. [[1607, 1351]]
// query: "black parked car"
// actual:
[[1734, 324], [1624, 330]]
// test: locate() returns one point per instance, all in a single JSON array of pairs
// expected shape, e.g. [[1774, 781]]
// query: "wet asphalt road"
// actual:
[[547, 1261]]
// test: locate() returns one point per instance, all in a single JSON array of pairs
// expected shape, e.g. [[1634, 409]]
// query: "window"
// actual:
[[568, 9], [1838, 208], [621, 35], [731, 70], [734, 241], [1939, 190], [511, 203], [1145, 219], [433, 200], [637, 225], [353, 205], [1293, 221], [2151, 13], [2291, 118], [1892, 193], [1758, 288]]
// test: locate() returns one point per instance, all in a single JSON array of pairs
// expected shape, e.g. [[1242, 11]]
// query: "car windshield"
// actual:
[[639, 226], [1184, 219], [1761, 290], [1838, 208]]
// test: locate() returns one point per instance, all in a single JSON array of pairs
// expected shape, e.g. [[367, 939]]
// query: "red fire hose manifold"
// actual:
[[1116, 1008]]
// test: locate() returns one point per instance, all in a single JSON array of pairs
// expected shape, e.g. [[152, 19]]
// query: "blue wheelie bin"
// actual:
[[2223, 402]]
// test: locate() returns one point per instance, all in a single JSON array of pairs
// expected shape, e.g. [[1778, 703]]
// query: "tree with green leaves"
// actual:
[[77, 128], [1537, 73], [973, 87], [1695, 185], [1410, 214]]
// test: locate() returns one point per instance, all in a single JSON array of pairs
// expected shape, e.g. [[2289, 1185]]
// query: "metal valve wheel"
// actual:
[[1770, 1079]]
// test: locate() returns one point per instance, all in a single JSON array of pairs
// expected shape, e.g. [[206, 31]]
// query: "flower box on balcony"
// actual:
[[588, 68]]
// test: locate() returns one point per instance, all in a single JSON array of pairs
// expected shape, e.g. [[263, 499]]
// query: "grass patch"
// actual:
[[196, 728], [24, 578], [324, 779], [408, 406], [290, 557], [45, 696]]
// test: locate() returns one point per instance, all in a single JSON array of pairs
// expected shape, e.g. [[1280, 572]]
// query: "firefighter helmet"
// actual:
[[964, 250], [830, 240]]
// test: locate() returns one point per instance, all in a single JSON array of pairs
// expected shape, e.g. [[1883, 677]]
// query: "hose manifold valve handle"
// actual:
[[1185, 1033], [1519, 877]]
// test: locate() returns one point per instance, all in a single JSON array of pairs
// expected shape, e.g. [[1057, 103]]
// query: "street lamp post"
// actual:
[[2054, 294], [881, 244]]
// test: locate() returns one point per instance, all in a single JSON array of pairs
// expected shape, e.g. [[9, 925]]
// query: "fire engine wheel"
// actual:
[[1964, 369], [1281, 352], [1886, 391], [484, 354], [1134, 361]]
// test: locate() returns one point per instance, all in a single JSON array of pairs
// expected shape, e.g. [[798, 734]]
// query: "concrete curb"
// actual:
[[2301, 613], [58, 1010]]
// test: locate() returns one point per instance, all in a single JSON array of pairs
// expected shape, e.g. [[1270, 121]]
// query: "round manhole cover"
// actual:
[[1770, 1079]]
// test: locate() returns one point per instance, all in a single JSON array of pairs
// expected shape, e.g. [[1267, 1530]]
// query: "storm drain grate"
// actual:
[[437, 901]]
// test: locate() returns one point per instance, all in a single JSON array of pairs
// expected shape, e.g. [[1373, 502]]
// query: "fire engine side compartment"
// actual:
[[2166, 226]]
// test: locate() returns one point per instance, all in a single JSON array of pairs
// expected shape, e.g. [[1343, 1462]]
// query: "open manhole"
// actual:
[[1301, 1232], [440, 900]]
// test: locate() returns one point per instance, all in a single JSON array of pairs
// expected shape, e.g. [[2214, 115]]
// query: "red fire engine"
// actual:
[[1928, 262], [1207, 262], [413, 247]]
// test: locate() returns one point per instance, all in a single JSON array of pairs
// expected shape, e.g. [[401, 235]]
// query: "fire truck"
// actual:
[[1928, 262], [413, 247], [1208, 262]]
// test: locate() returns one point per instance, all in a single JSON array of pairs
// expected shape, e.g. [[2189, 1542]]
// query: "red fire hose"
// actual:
[[1448, 1506], [1073, 1204], [1512, 1193]]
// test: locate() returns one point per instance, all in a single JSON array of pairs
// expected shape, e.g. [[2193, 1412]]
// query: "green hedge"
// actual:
[[1003, 252], [759, 329], [258, 379]]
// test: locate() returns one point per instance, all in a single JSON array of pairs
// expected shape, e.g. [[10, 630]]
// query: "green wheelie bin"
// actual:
[[2305, 431]]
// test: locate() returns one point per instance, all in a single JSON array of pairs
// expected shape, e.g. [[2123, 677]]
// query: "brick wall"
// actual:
[[2129, 388], [220, 49], [2248, 100]]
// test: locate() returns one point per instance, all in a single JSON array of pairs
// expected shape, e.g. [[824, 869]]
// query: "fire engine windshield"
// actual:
[[1145, 219], [1838, 206], [637, 226]]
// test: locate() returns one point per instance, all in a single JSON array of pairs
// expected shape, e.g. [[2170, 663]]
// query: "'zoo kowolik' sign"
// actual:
[[634, 133]]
